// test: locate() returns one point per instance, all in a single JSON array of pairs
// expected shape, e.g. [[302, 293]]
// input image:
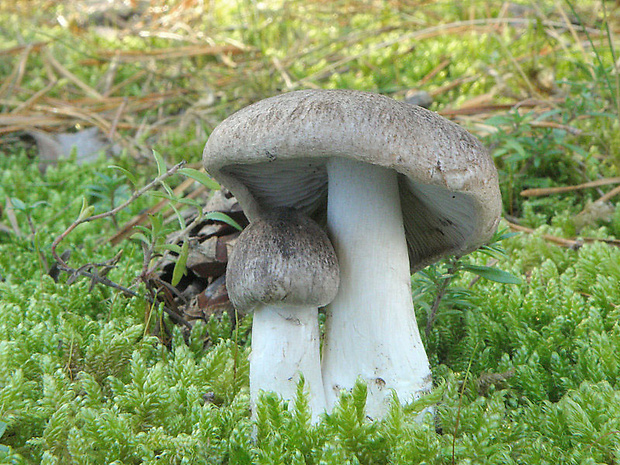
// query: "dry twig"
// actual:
[[562, 189], [561, 241], [109, 213]]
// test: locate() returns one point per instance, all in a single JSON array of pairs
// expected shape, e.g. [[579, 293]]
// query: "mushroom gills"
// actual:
[[437, 221], [296, 184]]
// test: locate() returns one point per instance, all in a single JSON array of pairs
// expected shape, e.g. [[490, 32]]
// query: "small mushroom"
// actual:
[[283, 267], [397, 186]]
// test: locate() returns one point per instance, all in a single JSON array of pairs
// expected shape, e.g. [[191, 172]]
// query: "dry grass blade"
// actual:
[[14, 80], [117, 117], [10, 213], [569, 25], [20, 48], [12, 123], [70, 76], [34, 99], [42, 111], [130, 80], [480, 25], [286, 77], [80, 114], [130, 56]]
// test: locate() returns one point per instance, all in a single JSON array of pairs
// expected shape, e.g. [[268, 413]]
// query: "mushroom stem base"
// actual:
[[371, 331], [285, 346]]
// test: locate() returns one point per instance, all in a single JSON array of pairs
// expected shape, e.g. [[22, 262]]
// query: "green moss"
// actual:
[[523, 373]]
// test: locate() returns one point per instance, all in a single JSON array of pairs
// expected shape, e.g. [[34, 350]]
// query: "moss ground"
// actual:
[[525, 373]]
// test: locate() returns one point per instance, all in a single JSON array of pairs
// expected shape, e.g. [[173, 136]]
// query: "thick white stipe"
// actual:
[[371, 330]]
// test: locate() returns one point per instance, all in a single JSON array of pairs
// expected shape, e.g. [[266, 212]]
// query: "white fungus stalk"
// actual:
[[285, 345], [371, 331], [284, 268]]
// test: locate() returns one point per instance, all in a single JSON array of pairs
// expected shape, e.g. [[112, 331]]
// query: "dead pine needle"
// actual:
[[70, 76]]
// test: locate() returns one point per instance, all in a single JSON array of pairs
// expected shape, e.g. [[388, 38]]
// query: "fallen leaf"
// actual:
[[88, 145]]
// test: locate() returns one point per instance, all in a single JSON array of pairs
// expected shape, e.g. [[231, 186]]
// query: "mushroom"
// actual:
[[397, 187], [284, 267]]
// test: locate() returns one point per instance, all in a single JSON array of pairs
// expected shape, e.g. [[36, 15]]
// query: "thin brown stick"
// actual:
[[571, 244], [167, 54], [595, 206], [562, 189], [612, 193], [109, 213], [434, 72], [489, 108], [20, 48], [452, 85], [554, 125], [142, 217]]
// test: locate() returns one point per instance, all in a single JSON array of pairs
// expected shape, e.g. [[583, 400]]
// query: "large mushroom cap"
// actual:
[[273, 154]]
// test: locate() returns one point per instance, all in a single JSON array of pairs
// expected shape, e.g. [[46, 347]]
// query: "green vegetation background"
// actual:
[[524, 374]]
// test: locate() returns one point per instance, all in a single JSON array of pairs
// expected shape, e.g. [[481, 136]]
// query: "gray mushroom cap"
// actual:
[[282, 258], [273, 154]]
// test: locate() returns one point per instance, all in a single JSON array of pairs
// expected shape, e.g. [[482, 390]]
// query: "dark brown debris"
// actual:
[[202, 291], [497, 380]]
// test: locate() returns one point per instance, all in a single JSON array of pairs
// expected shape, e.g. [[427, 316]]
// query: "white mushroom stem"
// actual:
[[371, 331], [284, 267], [286, 344]]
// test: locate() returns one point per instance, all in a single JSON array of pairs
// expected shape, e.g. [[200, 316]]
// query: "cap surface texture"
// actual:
[[284, 257], [273, 154]]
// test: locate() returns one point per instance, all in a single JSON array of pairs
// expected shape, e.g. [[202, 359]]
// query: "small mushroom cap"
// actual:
[[273, 154], [283, 257]]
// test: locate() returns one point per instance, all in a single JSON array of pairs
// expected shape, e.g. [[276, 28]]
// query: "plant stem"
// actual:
[[441, 292], [112, 212]]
